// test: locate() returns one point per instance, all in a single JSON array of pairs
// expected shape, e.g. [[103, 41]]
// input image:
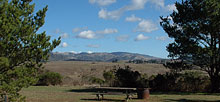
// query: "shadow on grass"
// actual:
[[93, 90], [88, 90], [183, 93], [187, 100], [110, 100]]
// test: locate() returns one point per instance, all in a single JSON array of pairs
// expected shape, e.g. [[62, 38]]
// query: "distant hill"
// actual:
[[102, 57]]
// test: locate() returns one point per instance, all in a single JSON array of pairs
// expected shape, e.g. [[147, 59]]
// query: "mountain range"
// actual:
[[99, 56]]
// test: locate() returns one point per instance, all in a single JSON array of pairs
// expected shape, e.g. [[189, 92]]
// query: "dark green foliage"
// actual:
[[109, 77], [143, 81], [137, 61], [49, 78], [115, 61], [177, 66], [186, 81], [163, 82], [180, 82], [193, 82], [127, 78], [95, 80], [22, 49], [156, 61], [195, 28]]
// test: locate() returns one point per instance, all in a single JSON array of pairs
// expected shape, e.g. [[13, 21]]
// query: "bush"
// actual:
[[49, 78], [128, 78], [109, 77], [163, 82], [95, 80], [125, 77], [189, 81], [192, 81]]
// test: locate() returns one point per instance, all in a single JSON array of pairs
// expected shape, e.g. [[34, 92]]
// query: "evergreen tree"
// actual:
[[195, 28], [22, 49]]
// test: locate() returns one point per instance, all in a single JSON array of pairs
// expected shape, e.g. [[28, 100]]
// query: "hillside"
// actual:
[[102, 57], [76, 72]]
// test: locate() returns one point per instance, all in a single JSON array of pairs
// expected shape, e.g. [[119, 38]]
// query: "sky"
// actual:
[[108, 25]]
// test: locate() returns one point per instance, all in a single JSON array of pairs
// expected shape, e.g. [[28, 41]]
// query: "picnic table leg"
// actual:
[[100, 96], [128, 96]]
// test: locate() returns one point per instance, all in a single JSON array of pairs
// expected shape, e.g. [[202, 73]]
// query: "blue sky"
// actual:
[[108, 25]]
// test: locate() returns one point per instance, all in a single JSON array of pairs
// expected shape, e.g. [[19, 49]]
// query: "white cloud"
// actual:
[[170, 18], [64, 35], [162, 38], [171, 7], [107, 31], [102, 2], [79, 29], [93, 46], [135, 5], [141, 37], [158, 3], [64, 44], [87, 34], [57, 31], [146, 26], [161, 4], [74, 52], [104, 14], [89, 52], [132, 18], [122, 38]]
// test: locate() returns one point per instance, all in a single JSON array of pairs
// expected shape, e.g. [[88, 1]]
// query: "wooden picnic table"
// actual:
[[101, 91]]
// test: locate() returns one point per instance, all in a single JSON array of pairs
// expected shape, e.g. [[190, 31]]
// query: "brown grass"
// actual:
[[73, 71]]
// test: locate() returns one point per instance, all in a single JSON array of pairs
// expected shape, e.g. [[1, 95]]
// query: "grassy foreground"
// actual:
[[82, 94]]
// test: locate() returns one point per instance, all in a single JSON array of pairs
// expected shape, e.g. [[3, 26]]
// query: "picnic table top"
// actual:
[[117, 88]]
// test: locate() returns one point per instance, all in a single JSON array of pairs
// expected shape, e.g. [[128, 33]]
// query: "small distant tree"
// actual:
[[49, 78], [22, 48], [195, 28], [127, 78], [109, 77], [96, 80], [115, 61]]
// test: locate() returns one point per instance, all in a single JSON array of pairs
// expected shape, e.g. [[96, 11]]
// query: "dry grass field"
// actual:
[[74, 71], [83, 94]]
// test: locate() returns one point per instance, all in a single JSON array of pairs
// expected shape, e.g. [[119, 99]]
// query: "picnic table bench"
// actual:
[[101, 91]]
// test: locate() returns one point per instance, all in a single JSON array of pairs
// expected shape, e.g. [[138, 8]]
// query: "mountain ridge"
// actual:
[[99, 56]]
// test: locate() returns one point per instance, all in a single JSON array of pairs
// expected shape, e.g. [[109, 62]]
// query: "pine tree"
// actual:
[[195, 28], [22, 49]]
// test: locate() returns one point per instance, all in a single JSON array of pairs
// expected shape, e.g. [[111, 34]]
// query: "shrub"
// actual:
[[189, 81], [128, 78], [109, 77], [49, 78], [125, 77], [95, 80], [192, 81], [163, 82]]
